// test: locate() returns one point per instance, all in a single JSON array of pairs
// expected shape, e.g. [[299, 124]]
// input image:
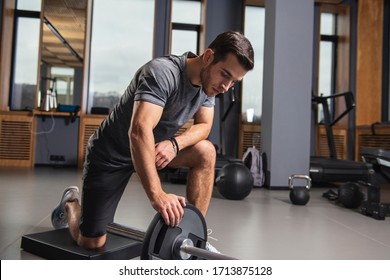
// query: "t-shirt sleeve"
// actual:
[[154, 85], [209, 102]]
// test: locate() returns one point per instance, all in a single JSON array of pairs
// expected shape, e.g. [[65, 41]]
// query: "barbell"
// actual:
[[161, 242]]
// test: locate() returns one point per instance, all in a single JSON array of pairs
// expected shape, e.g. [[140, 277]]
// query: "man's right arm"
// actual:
[[145, 118]]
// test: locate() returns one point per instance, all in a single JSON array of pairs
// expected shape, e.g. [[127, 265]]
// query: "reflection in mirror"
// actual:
[[62, 49]]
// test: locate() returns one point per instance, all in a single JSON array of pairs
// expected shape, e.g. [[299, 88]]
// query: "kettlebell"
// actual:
[[299, 195]]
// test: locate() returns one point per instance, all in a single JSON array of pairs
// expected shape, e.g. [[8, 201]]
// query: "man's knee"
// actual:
[[206, 152], [202, 154]]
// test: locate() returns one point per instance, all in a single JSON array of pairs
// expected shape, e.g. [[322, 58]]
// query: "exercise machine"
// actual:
[[380, 160], [330, 169], [159, 242]]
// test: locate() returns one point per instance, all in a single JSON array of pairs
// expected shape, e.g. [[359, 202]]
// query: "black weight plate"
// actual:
[[160, 238]]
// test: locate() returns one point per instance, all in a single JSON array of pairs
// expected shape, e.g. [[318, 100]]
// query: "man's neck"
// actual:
[[194, 65]]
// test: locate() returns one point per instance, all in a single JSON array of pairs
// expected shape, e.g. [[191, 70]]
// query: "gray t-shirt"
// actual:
[[162, 81]]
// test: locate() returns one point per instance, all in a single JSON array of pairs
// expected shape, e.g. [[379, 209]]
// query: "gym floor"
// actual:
[[265, 225]]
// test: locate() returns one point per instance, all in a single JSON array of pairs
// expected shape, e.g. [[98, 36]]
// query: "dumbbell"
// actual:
[[162, 242]]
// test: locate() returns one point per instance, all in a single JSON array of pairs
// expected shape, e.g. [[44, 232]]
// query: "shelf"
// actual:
[[53, 113]]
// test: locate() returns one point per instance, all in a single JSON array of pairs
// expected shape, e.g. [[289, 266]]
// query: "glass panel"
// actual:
[[186, 11], [120, 44], [62, 49], [252, 85], [327, 24], [64, 81], [184, 41], [29, 5], [325, 72], [25, 64]]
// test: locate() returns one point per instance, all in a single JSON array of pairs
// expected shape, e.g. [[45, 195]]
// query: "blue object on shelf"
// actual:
[[68, 108]]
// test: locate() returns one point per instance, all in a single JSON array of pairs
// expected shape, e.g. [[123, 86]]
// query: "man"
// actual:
[[139, 136]]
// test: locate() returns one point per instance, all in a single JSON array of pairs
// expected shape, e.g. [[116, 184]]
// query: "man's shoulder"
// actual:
[[169, 61], [165, 69]]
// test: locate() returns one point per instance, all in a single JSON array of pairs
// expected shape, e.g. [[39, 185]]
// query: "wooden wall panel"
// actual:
[[6, 51], [250, 135], [88, 125], [372, 136], [343, 58], [369, 61], [340, 139], [17, 139]]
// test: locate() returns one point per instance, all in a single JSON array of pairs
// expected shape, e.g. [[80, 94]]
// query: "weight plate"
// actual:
[[160, 239]]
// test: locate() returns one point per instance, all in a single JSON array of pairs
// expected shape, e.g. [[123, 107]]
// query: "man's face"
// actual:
[[220, 77]]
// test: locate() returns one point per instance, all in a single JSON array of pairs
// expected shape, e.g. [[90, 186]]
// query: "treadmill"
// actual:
[[324, 170]]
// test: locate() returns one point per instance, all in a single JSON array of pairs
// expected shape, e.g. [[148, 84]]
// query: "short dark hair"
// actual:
[[235, 43]]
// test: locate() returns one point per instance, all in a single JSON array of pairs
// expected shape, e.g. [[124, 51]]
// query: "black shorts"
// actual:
[[102, 190]]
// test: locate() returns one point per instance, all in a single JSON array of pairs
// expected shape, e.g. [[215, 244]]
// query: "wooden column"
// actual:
[[6, 51], [369, 61]]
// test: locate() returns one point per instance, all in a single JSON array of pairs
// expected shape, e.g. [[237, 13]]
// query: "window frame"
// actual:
[[186, 27]]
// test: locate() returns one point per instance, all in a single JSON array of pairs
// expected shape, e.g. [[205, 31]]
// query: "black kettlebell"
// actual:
[[299, 195]]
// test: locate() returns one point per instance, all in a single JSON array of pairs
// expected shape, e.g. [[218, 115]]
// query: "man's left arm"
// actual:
[[200, 130]]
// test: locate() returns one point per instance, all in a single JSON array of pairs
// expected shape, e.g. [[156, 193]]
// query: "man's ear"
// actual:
[[208, 56]]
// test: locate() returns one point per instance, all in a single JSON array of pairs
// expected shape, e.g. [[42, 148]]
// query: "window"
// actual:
[[121, 42], [327, 54], [29, 5], [185, 26], [252, 85], [63, 83], [327, 58], [25, 56]]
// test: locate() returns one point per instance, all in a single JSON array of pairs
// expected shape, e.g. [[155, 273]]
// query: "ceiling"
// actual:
[[69, 18]]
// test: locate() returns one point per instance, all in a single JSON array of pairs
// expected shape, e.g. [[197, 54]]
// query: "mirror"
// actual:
[[62, 49]]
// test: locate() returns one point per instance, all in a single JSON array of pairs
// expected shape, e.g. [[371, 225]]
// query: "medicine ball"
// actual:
[[350, 195], [234, 181]]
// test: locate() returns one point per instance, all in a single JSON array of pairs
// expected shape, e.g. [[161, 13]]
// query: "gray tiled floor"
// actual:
[[263, 226]]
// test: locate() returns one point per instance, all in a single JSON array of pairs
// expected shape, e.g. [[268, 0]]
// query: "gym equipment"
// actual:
[[299, 195], [380, 159], [330, 170], [58, 245], [183, 242], [350, 195], [234, 181], [186, 241]]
